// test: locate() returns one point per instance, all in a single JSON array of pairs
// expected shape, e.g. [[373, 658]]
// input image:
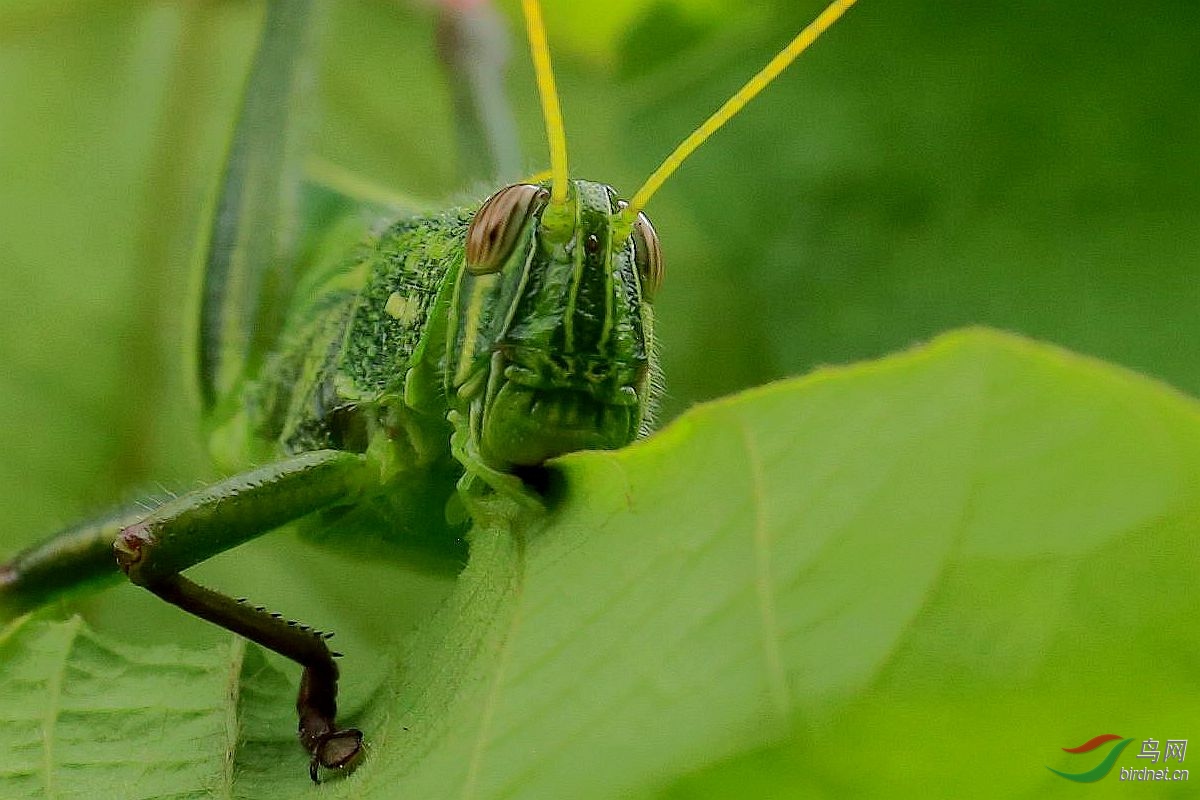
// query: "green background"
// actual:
[[1026, 165]]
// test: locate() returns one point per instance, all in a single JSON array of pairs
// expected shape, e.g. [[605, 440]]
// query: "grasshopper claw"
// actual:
[[335, 750]]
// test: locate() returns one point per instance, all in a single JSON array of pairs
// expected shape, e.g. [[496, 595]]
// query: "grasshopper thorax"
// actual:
[[549, 347]]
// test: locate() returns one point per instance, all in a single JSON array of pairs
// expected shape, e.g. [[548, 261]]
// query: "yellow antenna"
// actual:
[[736, 103], [550, 107]]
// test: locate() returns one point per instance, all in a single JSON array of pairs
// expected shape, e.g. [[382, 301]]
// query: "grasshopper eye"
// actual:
[[648, 255], [494, 230]]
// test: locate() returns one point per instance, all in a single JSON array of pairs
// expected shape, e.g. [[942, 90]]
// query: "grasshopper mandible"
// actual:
[[447, 356]]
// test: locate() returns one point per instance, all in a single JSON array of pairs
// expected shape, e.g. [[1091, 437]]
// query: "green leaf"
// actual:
[[81, 713], [930, 572]]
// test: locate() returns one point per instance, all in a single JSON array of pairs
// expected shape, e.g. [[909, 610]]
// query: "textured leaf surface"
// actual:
[[926, 573], [81, 713]]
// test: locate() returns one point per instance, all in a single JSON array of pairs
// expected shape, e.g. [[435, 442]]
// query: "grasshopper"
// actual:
[[439, 363]]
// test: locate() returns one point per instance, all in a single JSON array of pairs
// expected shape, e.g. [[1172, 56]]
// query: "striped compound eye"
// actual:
[[648, 254], [494, 230]]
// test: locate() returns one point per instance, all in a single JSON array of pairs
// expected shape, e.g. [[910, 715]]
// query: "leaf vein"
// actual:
[[54, 705], [772, 650], [237, 655], [502, 663]]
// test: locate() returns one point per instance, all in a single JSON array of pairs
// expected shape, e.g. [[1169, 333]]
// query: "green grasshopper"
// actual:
[[441, 361]]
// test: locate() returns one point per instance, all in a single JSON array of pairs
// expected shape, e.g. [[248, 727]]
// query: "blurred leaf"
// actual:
[[579, 30], [931, 571], [1026, 165]]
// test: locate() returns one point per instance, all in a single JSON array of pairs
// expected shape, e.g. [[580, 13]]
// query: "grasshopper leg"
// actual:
[[478, 474], [75, 556], [200, 524], [316, 703]]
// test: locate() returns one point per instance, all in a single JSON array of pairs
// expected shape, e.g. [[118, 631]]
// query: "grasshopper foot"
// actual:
[[335, 750], [331, 747]]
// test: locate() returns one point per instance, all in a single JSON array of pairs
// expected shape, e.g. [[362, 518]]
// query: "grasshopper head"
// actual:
[[551, 343], [551, 348]]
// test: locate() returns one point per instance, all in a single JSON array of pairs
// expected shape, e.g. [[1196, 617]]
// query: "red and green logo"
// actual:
[[1104, 767]]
